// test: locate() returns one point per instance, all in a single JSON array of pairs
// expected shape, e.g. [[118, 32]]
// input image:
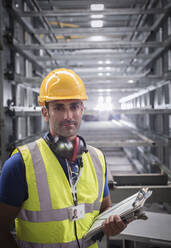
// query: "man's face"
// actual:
[[64, 117]]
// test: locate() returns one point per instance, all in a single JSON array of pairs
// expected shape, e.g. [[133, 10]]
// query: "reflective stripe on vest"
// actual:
[[73, 244]]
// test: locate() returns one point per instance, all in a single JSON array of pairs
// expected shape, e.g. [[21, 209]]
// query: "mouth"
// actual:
[[69, 124]]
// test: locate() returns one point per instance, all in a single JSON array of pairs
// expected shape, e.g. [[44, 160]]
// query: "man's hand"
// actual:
[[113, 225]]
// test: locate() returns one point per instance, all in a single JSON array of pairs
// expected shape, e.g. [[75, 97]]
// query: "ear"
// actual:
[[82, 108], [45, 114]]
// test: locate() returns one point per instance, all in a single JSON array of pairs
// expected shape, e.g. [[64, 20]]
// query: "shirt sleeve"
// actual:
[[106, 188], [13, 186]]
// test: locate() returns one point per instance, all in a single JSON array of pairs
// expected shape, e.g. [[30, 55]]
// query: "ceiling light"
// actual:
[[100, 62], [96, 38], [97, 24], [97, 7], [100, 68], [131, 81], [97, 16], [108, 74], [100, 74], [108, 68], [108, 62], [104, 90]]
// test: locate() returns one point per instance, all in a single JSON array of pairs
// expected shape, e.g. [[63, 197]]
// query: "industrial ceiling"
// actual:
[[111, 44]]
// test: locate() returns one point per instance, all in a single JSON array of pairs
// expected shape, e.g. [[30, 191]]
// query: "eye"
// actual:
[[75, 106], [58, 107]]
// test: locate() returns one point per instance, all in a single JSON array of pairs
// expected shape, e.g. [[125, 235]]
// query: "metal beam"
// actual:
[[83, 3], [160, 193], [27, 55], [78, 21], [121, 77], [31, 81], [160, 19], [94, 31], [140, 179], [93, 45], [111, 89], [139, 111], [117, 143], [108, 55], [27, 27], [43, 19], [84, 12], [2, 123], [93, 67], [88, 71], [144, 91], [156, 54], [155, 27]]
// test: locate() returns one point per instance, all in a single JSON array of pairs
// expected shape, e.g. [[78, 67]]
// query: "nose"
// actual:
[[68, 114]]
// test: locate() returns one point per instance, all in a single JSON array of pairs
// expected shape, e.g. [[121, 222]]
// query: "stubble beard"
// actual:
[[67, 131]]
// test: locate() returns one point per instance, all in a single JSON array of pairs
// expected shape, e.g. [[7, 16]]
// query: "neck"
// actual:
[[55, 137]]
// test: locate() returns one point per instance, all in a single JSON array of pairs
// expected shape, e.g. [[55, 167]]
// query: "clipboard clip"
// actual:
[[137, 211]]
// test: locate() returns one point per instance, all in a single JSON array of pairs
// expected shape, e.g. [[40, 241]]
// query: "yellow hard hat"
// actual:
[[61, 84]]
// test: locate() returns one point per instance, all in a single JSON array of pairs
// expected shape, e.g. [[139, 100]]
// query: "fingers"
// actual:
[[113, 225]]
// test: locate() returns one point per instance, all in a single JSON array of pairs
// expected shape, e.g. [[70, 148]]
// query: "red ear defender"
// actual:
[[79, 148], [76, 148]]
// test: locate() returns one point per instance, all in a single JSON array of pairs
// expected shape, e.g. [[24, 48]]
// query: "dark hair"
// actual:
[[47, 105]]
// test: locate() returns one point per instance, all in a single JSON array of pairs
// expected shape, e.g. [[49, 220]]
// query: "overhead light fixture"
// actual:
[[104, 90], [97, 16], [97, 24], [97, 38], [100, 62], [97, 7], [100, 74], [131, 81], [100, 68], [108, 62]]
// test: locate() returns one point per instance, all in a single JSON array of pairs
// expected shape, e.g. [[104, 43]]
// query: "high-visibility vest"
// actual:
[[43, 221]]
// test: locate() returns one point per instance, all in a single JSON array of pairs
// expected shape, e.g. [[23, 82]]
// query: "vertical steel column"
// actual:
[[2, 125]]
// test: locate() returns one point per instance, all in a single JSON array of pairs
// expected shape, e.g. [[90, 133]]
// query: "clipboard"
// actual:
[[129, 209]]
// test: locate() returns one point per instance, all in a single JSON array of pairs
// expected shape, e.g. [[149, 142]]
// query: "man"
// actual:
[[45, 181]]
